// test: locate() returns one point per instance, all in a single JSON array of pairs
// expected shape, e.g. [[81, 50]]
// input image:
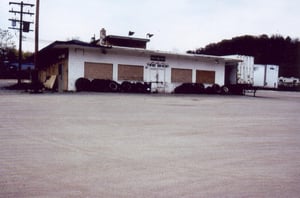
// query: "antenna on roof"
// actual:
[[102, 36]]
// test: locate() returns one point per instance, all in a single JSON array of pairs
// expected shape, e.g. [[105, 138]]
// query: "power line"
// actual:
[[32, 39], [36, 36]]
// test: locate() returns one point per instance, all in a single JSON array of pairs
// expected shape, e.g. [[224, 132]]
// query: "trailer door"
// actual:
[[272, 76]]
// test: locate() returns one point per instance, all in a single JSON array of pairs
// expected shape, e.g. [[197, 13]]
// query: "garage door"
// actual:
[[205, 76], [131, 72], [98, 70], [181, 75]]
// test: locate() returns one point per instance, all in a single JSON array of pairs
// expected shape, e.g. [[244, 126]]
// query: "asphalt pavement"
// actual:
[[156, 145]]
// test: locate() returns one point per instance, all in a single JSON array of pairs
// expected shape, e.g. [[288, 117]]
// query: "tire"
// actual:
[[180, 89], [216, 88], [209, 90], [187, 88], [82, 84], [225, 90], [98, 85], [200, 88], [126, 87], [236, 90], [193, 89], [113, 86], [140, 88], [147, 86]]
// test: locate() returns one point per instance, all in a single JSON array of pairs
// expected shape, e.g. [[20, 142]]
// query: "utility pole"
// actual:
[[24, 27], [37, 16]]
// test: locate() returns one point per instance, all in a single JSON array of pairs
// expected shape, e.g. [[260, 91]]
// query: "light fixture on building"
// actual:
[[149, 35], [130, 33]]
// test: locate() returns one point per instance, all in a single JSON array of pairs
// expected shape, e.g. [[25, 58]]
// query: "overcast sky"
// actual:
[[177, 25]]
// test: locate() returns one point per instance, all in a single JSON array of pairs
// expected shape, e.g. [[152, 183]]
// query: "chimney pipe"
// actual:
[[102, 36]]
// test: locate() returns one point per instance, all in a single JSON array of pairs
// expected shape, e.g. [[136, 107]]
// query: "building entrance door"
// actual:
[[157, 77]]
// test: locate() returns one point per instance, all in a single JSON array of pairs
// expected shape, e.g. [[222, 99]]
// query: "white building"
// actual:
[[121, 59]]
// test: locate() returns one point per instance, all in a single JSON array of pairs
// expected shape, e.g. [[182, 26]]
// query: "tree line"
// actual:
[[275, 49], [9, 55]]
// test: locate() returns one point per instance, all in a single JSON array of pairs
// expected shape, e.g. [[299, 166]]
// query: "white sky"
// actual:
[[177, 25]]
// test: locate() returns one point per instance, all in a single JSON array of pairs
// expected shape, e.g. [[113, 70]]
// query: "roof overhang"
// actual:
[[58, 50], [59, 47], [180, 55]]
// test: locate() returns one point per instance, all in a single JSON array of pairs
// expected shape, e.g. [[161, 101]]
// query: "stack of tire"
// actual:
[[190, 88], [135, 87], [83, 84], [102, 85], [199, 88]]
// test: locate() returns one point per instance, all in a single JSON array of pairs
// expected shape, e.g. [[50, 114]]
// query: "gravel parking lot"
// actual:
[[130, 145]]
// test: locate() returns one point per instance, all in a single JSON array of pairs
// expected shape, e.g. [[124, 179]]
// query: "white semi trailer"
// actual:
[[246, 76], [266, 76]]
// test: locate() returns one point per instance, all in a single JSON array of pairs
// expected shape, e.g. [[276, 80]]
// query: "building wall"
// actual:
[[160, 74]]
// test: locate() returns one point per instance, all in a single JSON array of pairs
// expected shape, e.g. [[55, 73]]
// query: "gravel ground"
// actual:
[[162, 146]]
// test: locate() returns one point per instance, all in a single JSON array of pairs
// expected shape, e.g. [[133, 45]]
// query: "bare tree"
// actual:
[[6, 39], [8, 52]]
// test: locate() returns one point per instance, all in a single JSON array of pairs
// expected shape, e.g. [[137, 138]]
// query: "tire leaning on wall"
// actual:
[[126, 87], [209, 90], [113, 86], [184, 88], [83, 84], [98, 85], [199, 88], [225, 90], [139, 88], [216, 89]]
